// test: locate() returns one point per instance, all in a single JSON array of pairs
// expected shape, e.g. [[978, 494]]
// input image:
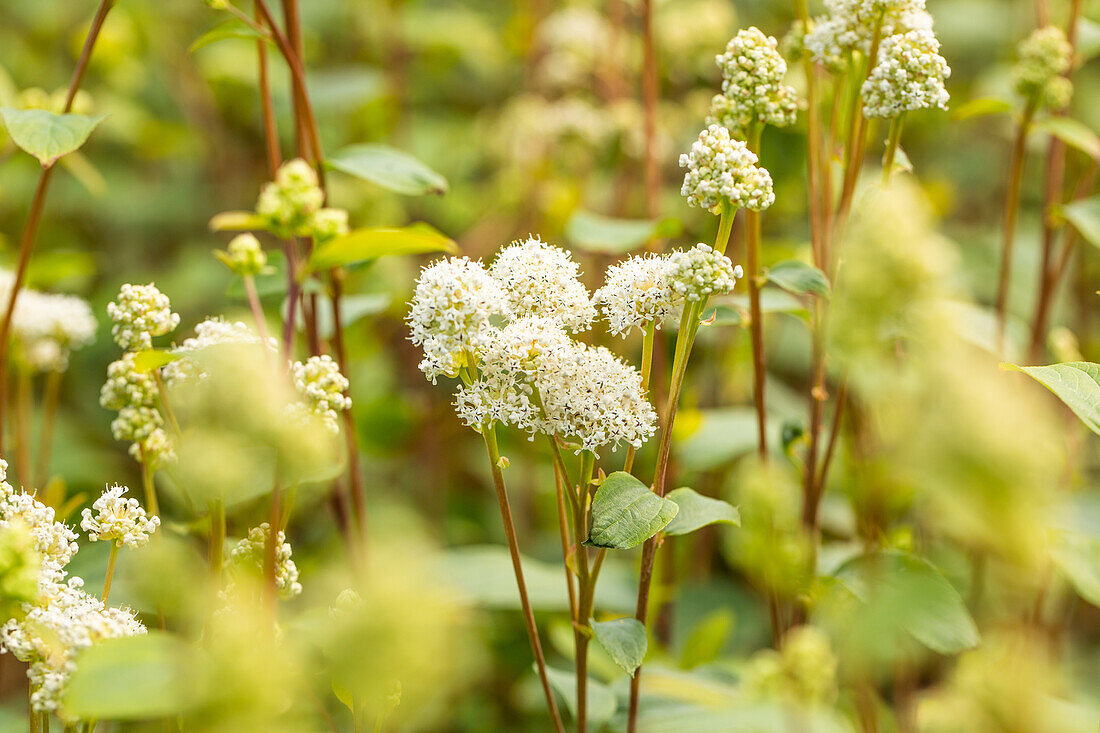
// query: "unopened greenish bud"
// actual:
[[329, 223], [244, 255]]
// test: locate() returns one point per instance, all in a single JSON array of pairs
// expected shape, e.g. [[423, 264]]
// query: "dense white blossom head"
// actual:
[[135, 423], [700, 272], [636, 292], [1042, 59], [849, 27], [719, 169], [140, 313], [541, 280], [48, 326], [909, 75], [115, 518], [753, 92], [54, 541], [250, 552], [449, 316], [322, 387]]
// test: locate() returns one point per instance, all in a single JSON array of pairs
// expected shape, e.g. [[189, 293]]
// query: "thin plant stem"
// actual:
[[489, 435], [162, 392], [857, 125], [648, 337], [271, 130], [148, 483], [38, 202], [111, 559], [892, 141], [51, 397], [1011, 212], [32, 716], [351, 429], [581, 629], [257, 313], [22, 430], [725, 226], [563, 530], [44, 726], [813, 144], [756, 315], [817, 398]]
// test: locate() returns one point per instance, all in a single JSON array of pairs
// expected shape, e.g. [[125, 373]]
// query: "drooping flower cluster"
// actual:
[[291, 205], [322, 387], [753, 92], [909, 75], [250, 552], [700, 272], [119, 520], [849, 27], [540, 280], [1042, 59], [47, 327], [719, 169], [636, 292], [140, 313]]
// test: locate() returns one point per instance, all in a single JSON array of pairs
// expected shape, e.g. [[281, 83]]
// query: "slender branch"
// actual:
[[111, 559], [857, 125], [756, 323], [257, 314], [22, 418], [581, 628], [1011, 211], [892, 141], [351, 429], [271, 130], [648, 337], [563, 530], [50, 399]]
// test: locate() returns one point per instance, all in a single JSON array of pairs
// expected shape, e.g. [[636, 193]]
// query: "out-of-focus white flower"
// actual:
[[541, 280], [753, 91], [212, 332], [449, 316], [909, 75], [576, 41], [136, 423], [250, 551], [47, 326], [719, 169], [54, 541], [849, 26], [140, 313], [291, 200], [1042, 59], [244, 255], [119, 520], [329, 223], [322, 387], [700, 272], [156, 450], [637, 292]]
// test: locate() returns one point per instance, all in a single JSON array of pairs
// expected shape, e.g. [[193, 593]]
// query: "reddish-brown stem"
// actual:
[[271, 129], [1011, 211], [257, 313], [351, 431], [563, 530]]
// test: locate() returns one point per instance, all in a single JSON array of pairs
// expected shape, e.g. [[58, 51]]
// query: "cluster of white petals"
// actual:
[[449, 316], [700, 272], [849, 26], [140, 313], [909, 75], [753, 91], [636, 292], [126, 386], [250, 551], [322, 387], [1042, 59], [55, 542], [133, 394], [541, 280], [118, 519], [719, 169]]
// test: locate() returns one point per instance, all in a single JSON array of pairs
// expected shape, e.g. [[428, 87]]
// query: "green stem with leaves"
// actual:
[[648, 337]]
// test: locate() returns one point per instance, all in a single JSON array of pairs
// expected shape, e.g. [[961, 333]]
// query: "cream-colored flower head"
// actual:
[[290, 202], [849, 26], [636, 292], [117, 519], [1042, 59], [541, 280], [140, 313], [322, 386], [909, 75], [719, 169], [250, 551], [700, 272], [48, 326], [753, 92], [126, 386]]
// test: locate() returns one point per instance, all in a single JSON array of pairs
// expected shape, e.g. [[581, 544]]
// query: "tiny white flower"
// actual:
[[636, 292], [541, 280], [118, 519], [753, 91], [700, 272], [909, 75], [140, 313], [322, 386]]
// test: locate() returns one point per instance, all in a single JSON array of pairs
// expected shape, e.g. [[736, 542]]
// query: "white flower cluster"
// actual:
[[117, 519], [250, 551], [141, 313], [637, 292], [133, 394], [909, 75], [291, 205], [540, 280], [450, 314], [700, 272], [214, 331], [576, 41], [126, 386], [64, 620], [322, 386], [849, 26], [48, 327], [719, 169], [753, 91], [1042, 59]]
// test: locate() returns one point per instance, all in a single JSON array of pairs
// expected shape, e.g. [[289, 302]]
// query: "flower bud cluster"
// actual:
[[119, 520], [721, 169], [250, 552], [700, 272], [542, 281], [909, 75], [753, 92], [322, 387], [140, 313], [244, 256], [291, 205], [850, 25], [1042, 59], [637, 292]]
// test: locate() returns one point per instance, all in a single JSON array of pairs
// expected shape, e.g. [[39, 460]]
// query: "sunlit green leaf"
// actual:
[[601, 700], [625, 513], [237, 221], [1088, 39], [47, 135], [389, 168], [595, 233], [1077, 383], [798, 278], [1073, 133], [708, 638], [982, 107], [708, 439], [225, 30], [698, 511], [149, 359], [352, 309], [1084, 215], [1078, 556], [624, 639], [373, 242]]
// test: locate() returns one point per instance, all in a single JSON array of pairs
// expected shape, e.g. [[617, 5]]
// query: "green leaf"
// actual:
[[698, 511], [625, 513], [982, 107], [624, 639], [606, 235], [147, 360], [352, 309], [1084, 215], [1076, 383], [601, 700], [46, 135], [1072, 133], [237, 221], [799, 278], [389, 168], [373, 242], [1078, 556], [709, 439], [1088, 39], [231, 28], [130, 678], [708, 639], [916, 596]]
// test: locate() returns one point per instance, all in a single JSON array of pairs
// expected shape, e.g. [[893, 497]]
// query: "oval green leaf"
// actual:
[[698, 511], [1073, 133], [1078, 556], [373, 242], [389, 168], [1076, 383], [1084, 215], [225, 30], [47, 135], [624, 639], [625, 513], [237, 221], [149, 359], [606, 235], [798, 278]]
